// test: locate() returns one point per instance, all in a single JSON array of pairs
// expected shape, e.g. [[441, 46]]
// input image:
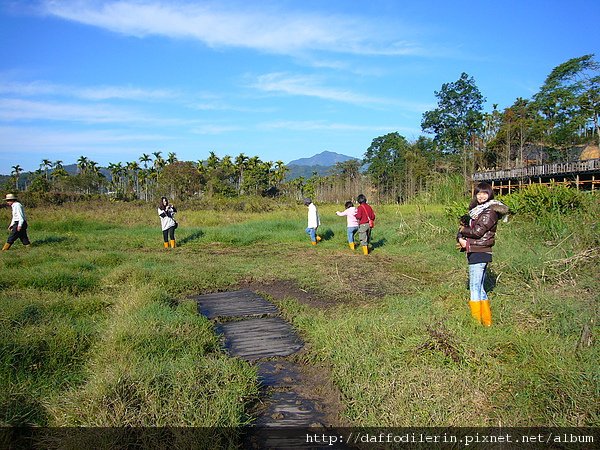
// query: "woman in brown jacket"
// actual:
[[477, 237]]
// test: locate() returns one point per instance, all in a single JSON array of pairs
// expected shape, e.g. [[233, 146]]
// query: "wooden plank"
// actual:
[[253, 339], [242, 303], [287, 409]]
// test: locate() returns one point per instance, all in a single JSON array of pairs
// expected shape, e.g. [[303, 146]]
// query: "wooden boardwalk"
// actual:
[[252, 330], [253, 339], [581, 174]]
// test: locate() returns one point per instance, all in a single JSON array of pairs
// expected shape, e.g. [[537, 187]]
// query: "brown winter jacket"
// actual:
[[481, 233]]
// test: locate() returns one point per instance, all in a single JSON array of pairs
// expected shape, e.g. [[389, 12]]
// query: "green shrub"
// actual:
[[537, 200]]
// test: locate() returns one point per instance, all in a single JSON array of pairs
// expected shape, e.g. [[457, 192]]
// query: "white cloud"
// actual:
[[214, 129], [34, 138], [328, 126], [19, 110], [309, 86], [273, 31], [95, 93]]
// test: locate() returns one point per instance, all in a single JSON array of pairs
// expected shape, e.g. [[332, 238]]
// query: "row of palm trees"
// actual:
[[142, 177]]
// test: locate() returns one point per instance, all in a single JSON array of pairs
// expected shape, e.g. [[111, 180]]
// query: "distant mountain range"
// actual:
[[320, 163], [321, 159]]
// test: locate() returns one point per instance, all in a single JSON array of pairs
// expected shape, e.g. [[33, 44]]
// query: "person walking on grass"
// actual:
[[351, 222], [476, 238], [18, 223], [168, 224], [313, 221], [366, 217]]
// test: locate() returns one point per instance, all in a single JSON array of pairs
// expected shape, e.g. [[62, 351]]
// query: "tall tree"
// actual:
[[45, 165], [457, 120], [171, 158], [145, 160], [82, 164], [385, 159], [570, 99], [16, 172]]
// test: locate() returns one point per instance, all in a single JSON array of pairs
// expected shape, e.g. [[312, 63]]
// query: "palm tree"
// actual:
[[45, 165], [145, 159], [134, 169], [16, 171], [280, 171], [115, 170], [212, 161], [159, 163], [241, 162], [83, 164], [171, 158]]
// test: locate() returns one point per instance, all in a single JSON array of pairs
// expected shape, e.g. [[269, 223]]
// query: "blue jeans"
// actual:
[[477, 280], [312, 232], [351, 232]]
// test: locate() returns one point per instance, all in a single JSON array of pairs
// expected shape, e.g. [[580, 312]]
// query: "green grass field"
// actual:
[[96, 328]]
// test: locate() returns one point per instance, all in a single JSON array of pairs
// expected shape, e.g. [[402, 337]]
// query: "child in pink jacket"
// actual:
[[352, 222]]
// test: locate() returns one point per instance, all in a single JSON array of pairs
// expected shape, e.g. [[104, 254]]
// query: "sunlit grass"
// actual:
[[96, 329]]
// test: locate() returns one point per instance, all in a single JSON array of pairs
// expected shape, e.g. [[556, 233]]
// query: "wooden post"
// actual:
[[577, 182], [509, 185]]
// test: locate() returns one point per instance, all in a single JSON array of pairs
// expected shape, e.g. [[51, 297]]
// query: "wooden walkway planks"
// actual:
[[242, 303], [253, 331], [254, 339]]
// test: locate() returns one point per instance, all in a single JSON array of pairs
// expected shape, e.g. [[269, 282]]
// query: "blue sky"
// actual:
[[111, 80]]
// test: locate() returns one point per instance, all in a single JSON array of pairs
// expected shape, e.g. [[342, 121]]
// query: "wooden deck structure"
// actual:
[[581, 174]]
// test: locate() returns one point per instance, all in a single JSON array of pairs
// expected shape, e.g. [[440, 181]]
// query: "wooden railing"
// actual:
[[544, 170]]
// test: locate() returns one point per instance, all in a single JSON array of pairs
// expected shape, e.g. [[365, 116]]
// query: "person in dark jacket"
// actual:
[[477, 238], [365, 216]]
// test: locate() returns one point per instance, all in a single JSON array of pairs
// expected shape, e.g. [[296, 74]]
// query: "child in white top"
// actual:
[[352, 222]]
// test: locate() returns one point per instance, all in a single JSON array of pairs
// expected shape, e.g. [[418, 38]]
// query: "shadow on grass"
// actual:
[[23, 410], [379, 243], [192, 237], [327, 234], [491, 278], [50, 240]]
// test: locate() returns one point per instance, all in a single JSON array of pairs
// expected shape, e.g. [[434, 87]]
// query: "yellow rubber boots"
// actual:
[[486, 313], [475, 310], [481, 312]]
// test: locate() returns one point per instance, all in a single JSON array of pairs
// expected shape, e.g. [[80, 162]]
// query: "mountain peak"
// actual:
[[325, 158]]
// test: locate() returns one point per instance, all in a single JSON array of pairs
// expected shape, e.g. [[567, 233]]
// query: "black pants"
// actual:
[[14, 234], [169, 233]]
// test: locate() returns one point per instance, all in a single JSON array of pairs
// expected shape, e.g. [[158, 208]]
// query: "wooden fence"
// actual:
[[544, 171], [585, 174]]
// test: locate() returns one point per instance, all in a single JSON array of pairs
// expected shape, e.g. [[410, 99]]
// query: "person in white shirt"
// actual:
[[313, 221], [168, 224], [18, 223]]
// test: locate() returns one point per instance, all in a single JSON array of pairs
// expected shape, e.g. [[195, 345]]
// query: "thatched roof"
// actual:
[[590, 152]]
